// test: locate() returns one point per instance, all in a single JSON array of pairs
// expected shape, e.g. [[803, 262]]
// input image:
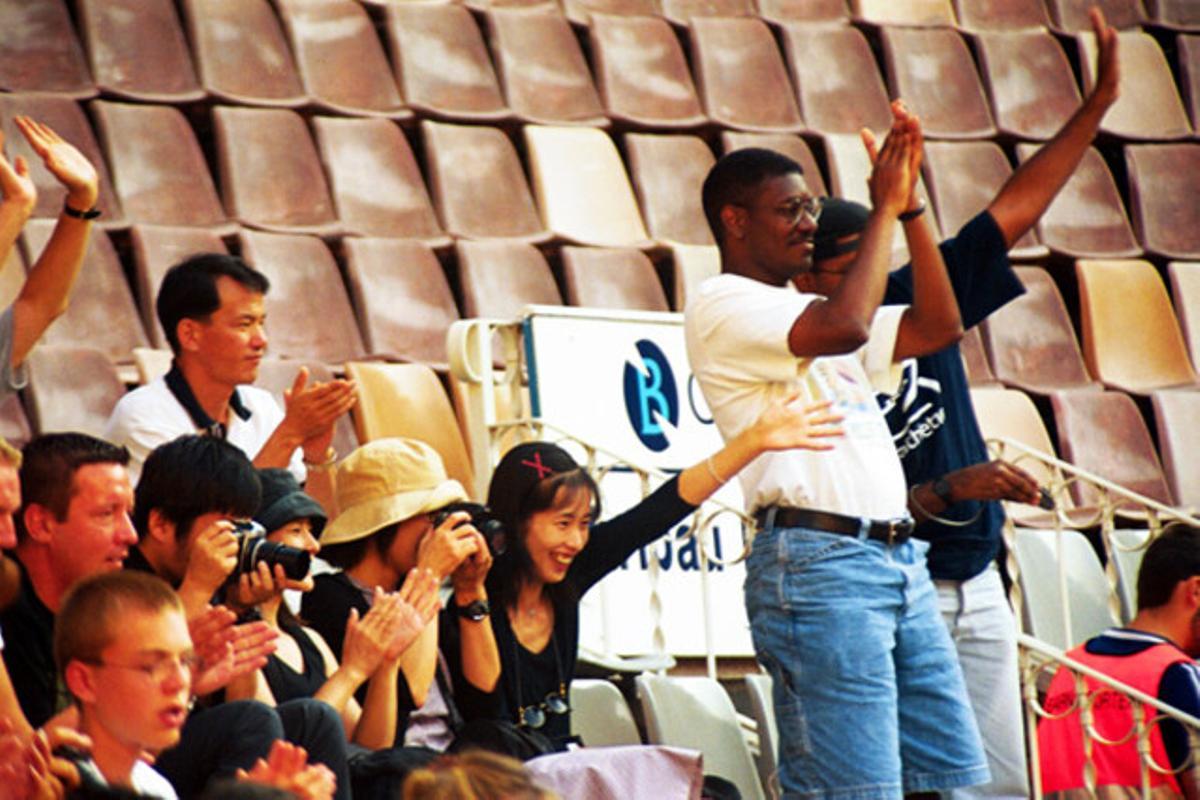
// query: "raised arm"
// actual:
[[20, 197]]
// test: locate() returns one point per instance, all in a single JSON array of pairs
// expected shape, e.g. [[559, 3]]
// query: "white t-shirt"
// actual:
[[151, 415], [144, 779], [737, 341]]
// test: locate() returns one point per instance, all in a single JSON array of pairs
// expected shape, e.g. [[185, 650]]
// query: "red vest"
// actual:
[[1060, 741]]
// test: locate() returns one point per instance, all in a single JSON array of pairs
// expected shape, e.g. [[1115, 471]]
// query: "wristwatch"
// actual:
[[476, 610], [941, 488]]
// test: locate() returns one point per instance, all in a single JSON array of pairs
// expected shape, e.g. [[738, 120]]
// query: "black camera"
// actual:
[[481, 519], [253, 549]]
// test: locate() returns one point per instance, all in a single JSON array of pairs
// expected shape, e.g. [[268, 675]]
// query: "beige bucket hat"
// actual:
[[388, 481]]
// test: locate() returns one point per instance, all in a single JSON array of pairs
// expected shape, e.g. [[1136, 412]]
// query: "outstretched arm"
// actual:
[[1030, 190]]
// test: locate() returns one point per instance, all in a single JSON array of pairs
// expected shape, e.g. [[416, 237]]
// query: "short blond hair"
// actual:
[[474, 775], [9, 455]]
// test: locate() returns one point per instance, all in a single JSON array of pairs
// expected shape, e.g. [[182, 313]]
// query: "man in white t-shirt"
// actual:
[[868, 694]]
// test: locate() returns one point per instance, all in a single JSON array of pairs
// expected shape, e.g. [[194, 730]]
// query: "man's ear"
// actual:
[[734, 219], [80, 681], [159, 528], [38, 523], [188, 331]]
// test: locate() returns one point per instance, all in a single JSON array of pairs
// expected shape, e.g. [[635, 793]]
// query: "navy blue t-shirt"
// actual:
[[930, 415]]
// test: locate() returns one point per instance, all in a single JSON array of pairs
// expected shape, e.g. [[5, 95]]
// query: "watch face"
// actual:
[[941, 487], [475, 611]]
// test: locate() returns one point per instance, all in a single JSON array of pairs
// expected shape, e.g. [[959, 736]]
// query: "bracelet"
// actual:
[[330, 460], [909, 216], [953, 523], [91, 213], [708, 462]]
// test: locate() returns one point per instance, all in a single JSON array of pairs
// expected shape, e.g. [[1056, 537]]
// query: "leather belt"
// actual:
[[890, 532]]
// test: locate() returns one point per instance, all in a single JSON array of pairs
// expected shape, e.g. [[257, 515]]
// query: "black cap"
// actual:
[[521, 469], [839, 218], [284, 501]]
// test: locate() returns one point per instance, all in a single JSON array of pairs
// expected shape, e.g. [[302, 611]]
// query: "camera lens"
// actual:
[[295, 562]]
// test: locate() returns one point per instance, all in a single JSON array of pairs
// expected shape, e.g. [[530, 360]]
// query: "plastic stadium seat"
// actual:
[[71, 388], [155, 250], [1149, 106], [781, 11], [697, 713], [1001, 15], [682, 12], [741, 76], [934, 72], [1188, 48], [599, 714], [542, 68], [137, 50], [792, 146], [498, 279], [14, 423], [377, 185], [1177, 418], [270, 174], [1031, 341], [158, 168], [1029, 82], [340, 58], [612, 278], [581, 187], [1087, 218], [408, 400], [1181, 14], [582, 12], [1011, 414], [478, 184], [1185, 291], [904, 12], [277, 375], [68, 120], [442, 64], [668, 173], [642, 73], [151, 363], [1038, 560], [975, 359], [404, 303], [1131, 338], [41, 51], [309, 315], [837, 81], [694, 264], [241, 53], [758, 688], [1126, 548], [1164, 182], [1071, 16]]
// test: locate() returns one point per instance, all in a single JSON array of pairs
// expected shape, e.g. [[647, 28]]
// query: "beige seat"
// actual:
[[155, 250], [933, 71], [241, 53], [1182, 14], [277, 375], [790, 145], [783, 11], [668, 173], [1071, 16], [836, 78], [975, 359], [600, 716], [71, 388], [1029, 82], [1001, 15], [1185, 291], [693, 265], [1164, 181], [41, 51], [1149, 107], [582, 12], [499, 278], [681, 12], [924, 13], [612, 278], [1177, 418], [137, 50]]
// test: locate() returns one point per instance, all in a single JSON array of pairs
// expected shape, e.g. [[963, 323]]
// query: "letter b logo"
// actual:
[[650, 395]]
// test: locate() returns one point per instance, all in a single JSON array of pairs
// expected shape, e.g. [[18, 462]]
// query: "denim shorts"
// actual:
[[869, 697]]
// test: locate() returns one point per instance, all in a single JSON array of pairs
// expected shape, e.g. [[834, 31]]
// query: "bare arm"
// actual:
[[992, 480], [480, 654], [20, 197]]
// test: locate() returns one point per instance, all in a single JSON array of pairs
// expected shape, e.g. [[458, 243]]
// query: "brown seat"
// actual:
[[271, 177], [837, 81], [792, 146], [1031, 341], [975, 359], [68, 120], [1029, 82], [276, 375], [377, 185], [1164, 182], [1177, 418], [498, 279], [137, 50], [1001, 15], [681, 12], [158, 168], [1185, 291], [924, 13], [1071, 16], [341, 59], [1181, 14], [612, 278], [741, 76], [155, 250], [241, 53], [542, 68], [1149, 106], [309, 316], [1188, 48], [668, 173], [71, 388], [781, 11], [642, 73], [1087, 218], [934, 72], [1131, 338], [693, 264], [479, 187], [41, 51], [581, 12], [101, 312], [441, 63], [404, 303]]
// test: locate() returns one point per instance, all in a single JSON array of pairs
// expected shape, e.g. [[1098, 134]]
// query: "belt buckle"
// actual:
[[891, 532]]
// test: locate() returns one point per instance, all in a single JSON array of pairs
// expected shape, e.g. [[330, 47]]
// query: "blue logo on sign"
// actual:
[[649, 395]]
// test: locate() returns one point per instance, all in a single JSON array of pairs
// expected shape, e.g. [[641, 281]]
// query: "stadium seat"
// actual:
[[758, 688], [1177, 418], [41, 50], [1029, 82], [612, 278], [681, 12], [377, 186], [442, 64], [581, 187], [241, 53], [925, 13], [1188, 49], [270, 174], [158, 168], [934, 72], [642, 73], [837, 81], [668, 173], [309, 316], [155, 250], [498, 279], [697, 713], [1031, 341], [1038, 559], [137, 50], [408, 400], [1149, 107], [1180, 14], [1131, 337], [790, 145], [784, 11], [1001, 15], [1164, 182], [1126, 548], [14, 423], [404, 303], [341, 59], [478, 184], [71, 388], [693, 265], [1071, 16], [741, 76], [151, 363], [975, 359], [277, 375], [541, 67], [1185, 291], [583, 12], [599, 714], [1087, 217]]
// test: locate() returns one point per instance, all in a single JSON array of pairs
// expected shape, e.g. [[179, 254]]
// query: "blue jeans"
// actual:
[[868, 693]]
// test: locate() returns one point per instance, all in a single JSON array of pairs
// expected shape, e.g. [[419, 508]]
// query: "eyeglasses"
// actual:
[[535, 716], [158, 671], [794, 209]]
